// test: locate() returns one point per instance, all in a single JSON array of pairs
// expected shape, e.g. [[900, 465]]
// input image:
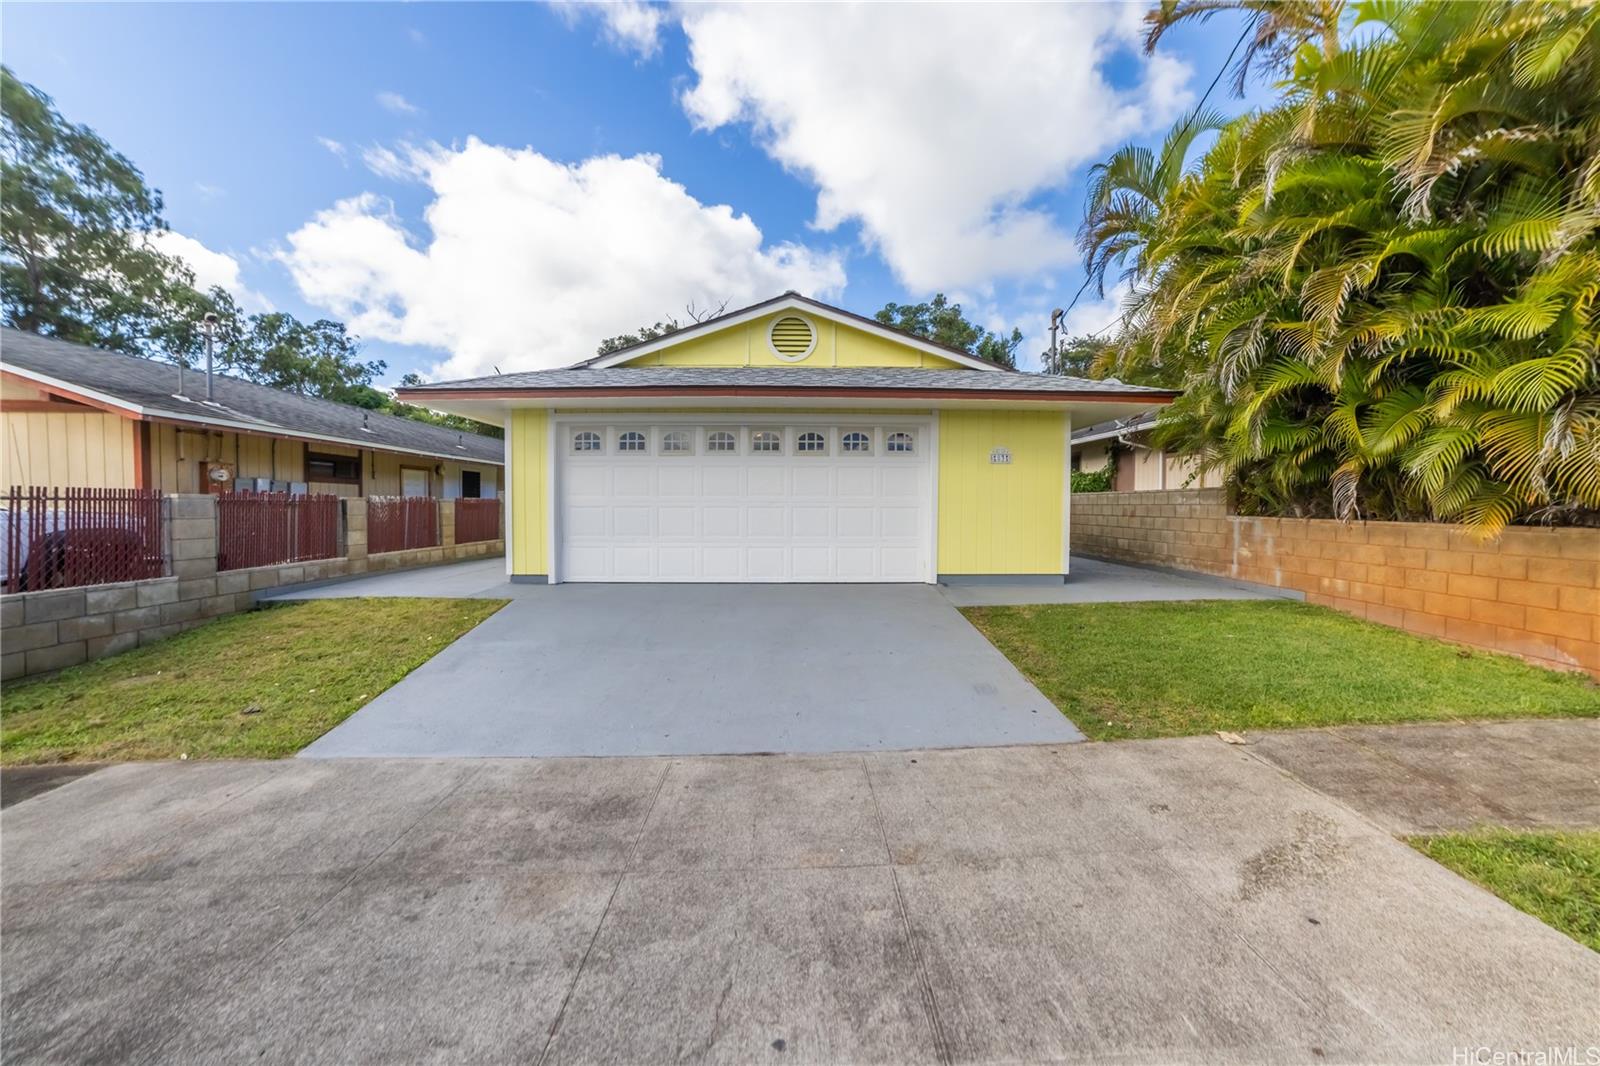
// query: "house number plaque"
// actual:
[[999, 456]]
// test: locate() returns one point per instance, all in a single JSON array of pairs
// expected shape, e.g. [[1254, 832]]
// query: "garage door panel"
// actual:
[[766, 522], [811, 522], [856, 522], [765, 480], [629, 480], [812, 481], [721, 521], [631, 521], [857, 482], [676, 479], [721, 481], [745, 516]]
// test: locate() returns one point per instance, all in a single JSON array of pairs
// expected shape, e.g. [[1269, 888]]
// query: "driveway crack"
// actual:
[[627, 863], [930, 1005]]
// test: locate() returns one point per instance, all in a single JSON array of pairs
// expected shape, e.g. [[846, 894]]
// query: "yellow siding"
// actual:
[[994, 518], [746, 345], [527, 447], [67, 450]]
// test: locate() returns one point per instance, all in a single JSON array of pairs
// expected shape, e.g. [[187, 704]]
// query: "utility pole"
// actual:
[[1055, 349]]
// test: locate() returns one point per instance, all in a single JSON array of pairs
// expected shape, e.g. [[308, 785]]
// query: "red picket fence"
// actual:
[[266, 528], [477, 520], [395, 523], [63, 538]]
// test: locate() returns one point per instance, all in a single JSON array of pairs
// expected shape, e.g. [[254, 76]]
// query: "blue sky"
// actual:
[[473, 186]]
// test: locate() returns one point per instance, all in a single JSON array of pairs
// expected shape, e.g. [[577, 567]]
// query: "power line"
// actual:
[[1187, 122]]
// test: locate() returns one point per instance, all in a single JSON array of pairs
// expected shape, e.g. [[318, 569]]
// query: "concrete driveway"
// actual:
[[706, 669], [709, 669], [1167, 901]]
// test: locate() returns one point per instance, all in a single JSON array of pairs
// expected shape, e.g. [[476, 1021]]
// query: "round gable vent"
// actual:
[[792, 338]]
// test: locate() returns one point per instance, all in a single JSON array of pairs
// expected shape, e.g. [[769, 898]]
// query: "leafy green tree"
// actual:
[[76, 222], [1381, 292], [438, 418], [942, 322], [638, 336]]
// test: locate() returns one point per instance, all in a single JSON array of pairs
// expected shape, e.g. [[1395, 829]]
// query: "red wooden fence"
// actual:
[[265, 528], [477, 520], [62, 538], [395, 523]]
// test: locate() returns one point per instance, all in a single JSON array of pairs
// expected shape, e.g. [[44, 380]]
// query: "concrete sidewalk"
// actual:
[[1437, 777], [1145, 901]]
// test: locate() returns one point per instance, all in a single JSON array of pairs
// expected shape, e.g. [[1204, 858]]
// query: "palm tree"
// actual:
[[1384, 289]]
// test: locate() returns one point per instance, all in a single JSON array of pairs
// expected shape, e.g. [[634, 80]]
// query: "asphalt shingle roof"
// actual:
[[789, 378], [150, 385]]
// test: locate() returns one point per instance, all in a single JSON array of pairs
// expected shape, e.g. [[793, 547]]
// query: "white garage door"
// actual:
[[742, 501]]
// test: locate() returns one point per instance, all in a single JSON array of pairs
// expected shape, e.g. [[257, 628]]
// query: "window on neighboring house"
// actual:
[[722, 441], [676, 442], [332, 468], [766, 440], [901, 442], [586, 440], [856, 441], [631, 441], [471, 484], [811, 443]]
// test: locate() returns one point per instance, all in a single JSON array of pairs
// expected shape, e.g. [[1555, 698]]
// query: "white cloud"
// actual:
[[933, 135], [630, 25], [210, 268], [391, 101], [336, 148], [529, 262]]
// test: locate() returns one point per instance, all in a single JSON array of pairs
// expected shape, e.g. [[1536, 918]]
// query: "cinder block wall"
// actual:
[[57, 628], [1531, 592]]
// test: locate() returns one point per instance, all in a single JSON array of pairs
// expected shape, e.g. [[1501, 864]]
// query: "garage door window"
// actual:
[[856, 442], [586, 441], [722, 441], [901, 443], [631, 441], [676, 442], [811, 443], [769, 441]]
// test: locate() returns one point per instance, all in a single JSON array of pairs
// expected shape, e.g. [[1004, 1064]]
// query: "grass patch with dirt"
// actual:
[[1554, 876], [258, 685], [1125, 670]]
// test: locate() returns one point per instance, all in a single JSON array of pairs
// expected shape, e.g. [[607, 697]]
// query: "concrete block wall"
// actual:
[[56, 628], [1532, 592]]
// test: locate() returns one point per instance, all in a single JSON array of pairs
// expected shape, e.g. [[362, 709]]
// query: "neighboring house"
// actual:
[[1141, 467], [788, 441], [85, 418]]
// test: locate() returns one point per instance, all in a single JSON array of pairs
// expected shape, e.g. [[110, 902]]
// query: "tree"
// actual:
[[422, 414], [1382, 292], [942, 322], [659, 330], [76, 222], [1086, 356], [76, 262]]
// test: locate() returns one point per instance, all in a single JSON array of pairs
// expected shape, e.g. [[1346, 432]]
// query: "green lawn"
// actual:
[[1123, 670], [1553, 876], [258, 685]]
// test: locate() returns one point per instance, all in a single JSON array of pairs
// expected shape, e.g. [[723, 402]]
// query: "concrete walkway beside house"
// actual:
[[1172, 901]]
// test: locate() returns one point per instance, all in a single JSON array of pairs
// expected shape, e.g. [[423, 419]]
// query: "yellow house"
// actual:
[[77, 417], [787, 441]]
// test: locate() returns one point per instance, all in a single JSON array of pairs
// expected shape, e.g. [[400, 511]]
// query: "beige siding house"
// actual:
[[1141, 466], [76, 416]]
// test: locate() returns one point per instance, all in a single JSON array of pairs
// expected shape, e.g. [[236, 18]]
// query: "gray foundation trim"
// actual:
[[530, 579], [1002, 579]]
